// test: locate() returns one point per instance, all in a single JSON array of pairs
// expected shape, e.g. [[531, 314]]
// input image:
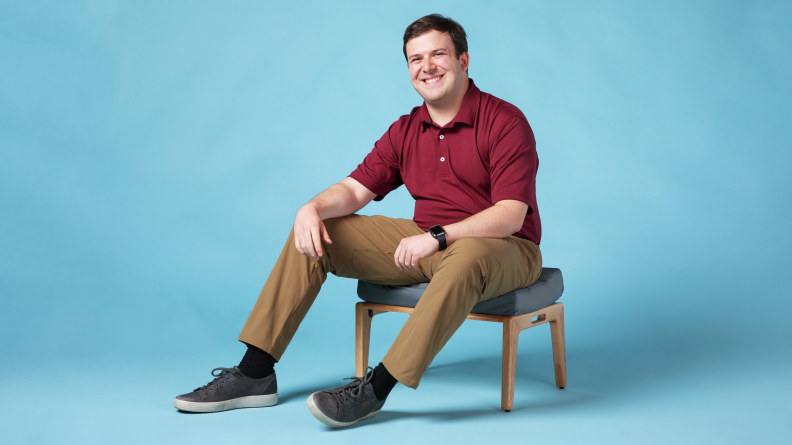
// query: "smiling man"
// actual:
[[469, 160]]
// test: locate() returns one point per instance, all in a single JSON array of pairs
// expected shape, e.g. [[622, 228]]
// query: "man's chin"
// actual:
[[431, 96]]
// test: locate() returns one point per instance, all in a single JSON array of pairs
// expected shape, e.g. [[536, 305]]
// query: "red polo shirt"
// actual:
[[486, 154]]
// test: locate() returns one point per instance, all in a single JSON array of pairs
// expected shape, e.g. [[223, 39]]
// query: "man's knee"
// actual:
[[470, 244], [464, 264], [458, 279], [339, 226], [468, 253]]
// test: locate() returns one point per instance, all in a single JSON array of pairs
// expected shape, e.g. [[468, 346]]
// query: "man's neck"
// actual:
[[443, 113]]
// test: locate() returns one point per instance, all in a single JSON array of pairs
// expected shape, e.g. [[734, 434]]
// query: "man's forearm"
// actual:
[[499, 221], [339, 200]]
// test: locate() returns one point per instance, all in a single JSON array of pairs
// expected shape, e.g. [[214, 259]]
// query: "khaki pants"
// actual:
[[469, 271]]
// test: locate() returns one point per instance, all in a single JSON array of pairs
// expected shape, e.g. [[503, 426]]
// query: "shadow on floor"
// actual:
[[597, 373]]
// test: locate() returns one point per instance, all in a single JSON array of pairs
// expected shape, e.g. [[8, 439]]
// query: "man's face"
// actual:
[[436, 74]]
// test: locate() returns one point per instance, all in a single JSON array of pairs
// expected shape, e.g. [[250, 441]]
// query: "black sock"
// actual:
[[382, 381], [256, 363]]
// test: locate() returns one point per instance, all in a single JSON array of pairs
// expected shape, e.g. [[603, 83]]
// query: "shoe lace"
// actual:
[[219, 378], [352, 390]]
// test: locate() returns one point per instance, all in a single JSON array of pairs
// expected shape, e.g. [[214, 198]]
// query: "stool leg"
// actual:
[[559, 349], [362, 337], [509, 366]]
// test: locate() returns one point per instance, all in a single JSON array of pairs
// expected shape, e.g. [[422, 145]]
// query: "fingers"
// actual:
[[414, 262], [304, 246], [309, 244], [401, 254], [325, 235], [316, 243], [309, 230], [405, 259]]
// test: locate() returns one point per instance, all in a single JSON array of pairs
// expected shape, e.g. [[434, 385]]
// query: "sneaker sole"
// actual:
[[330, 422], [213, 407]]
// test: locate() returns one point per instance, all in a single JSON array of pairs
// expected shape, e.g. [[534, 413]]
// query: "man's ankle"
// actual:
[[382, 381], [257, 363]]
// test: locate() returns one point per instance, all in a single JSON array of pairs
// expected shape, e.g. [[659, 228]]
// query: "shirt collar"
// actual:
[[467, 112]]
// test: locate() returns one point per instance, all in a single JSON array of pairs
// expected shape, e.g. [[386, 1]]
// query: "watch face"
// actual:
[[436, 230]]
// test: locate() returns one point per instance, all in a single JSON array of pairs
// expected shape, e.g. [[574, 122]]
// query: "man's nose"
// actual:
[[428, 65]]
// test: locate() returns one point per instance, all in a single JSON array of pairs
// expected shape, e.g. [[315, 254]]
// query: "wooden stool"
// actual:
[[545, 289]]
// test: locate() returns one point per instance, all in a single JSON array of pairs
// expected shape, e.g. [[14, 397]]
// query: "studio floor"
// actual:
[[616, 394]]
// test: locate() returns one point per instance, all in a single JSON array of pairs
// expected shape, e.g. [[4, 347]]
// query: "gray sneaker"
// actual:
[[230, 390], [345, 405]]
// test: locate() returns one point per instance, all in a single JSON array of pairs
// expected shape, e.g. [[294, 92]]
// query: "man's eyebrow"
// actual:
[[432, 51]]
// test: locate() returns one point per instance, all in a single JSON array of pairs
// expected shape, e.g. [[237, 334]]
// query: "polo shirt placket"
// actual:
[[443, 154]]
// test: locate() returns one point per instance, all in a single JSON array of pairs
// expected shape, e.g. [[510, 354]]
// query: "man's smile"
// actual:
[[432, 80]]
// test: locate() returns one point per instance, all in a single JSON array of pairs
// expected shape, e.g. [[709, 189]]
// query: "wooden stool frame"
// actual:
[[512, 326]]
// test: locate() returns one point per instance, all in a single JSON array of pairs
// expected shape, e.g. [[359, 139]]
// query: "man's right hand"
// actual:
[[309, 230]]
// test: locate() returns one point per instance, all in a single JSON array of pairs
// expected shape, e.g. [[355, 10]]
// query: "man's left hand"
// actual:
[[413, 249]]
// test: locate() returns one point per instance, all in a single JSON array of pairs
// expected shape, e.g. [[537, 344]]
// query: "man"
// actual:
[[469, 160]]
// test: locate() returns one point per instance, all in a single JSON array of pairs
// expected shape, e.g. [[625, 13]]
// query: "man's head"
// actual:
[[437, 22], [436, 51]]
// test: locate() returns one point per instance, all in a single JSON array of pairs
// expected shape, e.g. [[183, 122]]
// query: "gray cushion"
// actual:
[[546, 291]]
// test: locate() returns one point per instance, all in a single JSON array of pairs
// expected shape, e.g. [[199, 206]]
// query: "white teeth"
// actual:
[[433, 79]]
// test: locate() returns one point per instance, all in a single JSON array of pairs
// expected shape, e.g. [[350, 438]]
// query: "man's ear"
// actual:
[[464, 61]]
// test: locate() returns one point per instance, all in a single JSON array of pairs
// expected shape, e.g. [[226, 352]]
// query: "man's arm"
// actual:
[[499, 221], [344, 198]]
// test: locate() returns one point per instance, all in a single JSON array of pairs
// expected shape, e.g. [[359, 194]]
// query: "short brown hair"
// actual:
[[440, 23]]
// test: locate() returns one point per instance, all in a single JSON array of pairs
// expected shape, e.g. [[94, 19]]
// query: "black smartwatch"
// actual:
[[439, 234]]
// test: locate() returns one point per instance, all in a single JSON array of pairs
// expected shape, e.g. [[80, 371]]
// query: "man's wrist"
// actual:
[[312, 206], [439, 234]]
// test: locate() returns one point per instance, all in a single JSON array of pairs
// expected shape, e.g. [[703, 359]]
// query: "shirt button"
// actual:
[[441, 136], [442, 159]]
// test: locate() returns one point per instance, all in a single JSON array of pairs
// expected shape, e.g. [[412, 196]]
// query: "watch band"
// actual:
[[440, 235]]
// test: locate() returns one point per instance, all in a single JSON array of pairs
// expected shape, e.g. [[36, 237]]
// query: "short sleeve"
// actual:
[[379, 171], [513, 163]]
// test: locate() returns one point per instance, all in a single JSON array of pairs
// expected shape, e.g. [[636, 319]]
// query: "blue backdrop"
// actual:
[[153, 155]]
